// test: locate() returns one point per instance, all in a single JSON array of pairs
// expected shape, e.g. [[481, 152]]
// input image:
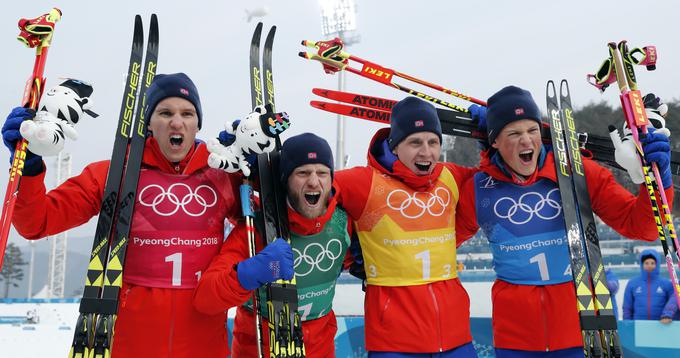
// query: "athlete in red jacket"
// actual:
[[178, 226], [319, 238], [404, 204], [515, 200]]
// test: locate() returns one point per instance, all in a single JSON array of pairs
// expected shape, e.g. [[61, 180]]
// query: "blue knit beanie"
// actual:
[[172, 85], [412, 115], [305, 148], [508, 105]]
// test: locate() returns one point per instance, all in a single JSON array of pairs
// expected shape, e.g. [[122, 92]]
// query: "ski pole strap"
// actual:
[[38, 32], [41, 25], [646, 56], [329, 53], [330, 66], [29, 39], [604, 76]]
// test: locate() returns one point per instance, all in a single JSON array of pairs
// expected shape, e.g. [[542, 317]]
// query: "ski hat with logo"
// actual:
[[305, 148], [172, 85], [508, 105], [412, 115]]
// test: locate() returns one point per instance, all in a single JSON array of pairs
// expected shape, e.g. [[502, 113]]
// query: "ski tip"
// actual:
[[320, 92], [256, 35], [564, 88], [317, 104], [153, 32], [138, 36], [550, 91]]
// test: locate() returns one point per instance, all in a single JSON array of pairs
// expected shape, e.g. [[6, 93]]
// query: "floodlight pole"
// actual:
[[343, 10]]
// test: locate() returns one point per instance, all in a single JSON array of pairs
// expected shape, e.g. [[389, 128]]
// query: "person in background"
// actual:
[[648, 296]]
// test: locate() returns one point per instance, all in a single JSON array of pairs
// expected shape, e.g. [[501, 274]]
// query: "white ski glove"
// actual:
[[625, 153]]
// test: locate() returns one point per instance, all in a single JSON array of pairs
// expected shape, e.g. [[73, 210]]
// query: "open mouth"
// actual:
[[423, 166], [526, 155], [176, 140], [313, 197]]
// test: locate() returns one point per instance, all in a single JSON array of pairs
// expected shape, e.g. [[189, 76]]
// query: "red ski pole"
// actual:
[[334, 59], [34, 33]]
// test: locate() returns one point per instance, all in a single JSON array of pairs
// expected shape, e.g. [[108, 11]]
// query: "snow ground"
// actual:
[[51, 337]]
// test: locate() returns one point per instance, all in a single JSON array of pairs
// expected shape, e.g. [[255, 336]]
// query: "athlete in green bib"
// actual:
[[319, 245]]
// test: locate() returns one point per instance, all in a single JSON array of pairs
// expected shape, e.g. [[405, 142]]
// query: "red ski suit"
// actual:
[[219, 289], [422, 318], [152, 321], [544, 318]]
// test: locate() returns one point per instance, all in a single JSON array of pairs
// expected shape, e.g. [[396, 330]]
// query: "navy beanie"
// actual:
[[508, 105], [305, 148], [172, 85], [412, 115]]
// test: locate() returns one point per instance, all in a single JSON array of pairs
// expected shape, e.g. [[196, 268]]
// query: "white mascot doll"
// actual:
[[253, 135], [60, 109]]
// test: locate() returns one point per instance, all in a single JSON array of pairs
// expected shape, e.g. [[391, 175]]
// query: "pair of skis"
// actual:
[[284, 323], [595, 309], [455, 123], [93, 335], [35, 33]]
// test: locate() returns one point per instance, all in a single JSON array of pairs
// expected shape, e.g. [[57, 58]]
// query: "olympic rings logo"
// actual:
[[317, 256], [416, 205], [167, 203], [521, 212]]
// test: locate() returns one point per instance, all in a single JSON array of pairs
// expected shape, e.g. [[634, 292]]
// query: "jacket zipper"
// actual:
[[384, 310], [124, 296], [649, 296], [545, 321], [437, 321]]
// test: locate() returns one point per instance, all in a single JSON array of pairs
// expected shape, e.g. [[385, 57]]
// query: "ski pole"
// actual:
[[374, 72], [636, 118], [34, 33], [382, 74], [628, 61], [246, 191]]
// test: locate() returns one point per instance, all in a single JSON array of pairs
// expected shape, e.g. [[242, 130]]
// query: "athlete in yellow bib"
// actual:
[[404, 205]]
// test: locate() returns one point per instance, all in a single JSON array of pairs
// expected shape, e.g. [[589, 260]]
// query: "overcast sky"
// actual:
[[475, 47]]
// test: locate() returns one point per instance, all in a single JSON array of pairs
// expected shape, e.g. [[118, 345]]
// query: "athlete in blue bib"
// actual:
[[515, 200]]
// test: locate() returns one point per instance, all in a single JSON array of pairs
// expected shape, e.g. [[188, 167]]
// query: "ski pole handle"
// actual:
[[337, 65], [37, 32]]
